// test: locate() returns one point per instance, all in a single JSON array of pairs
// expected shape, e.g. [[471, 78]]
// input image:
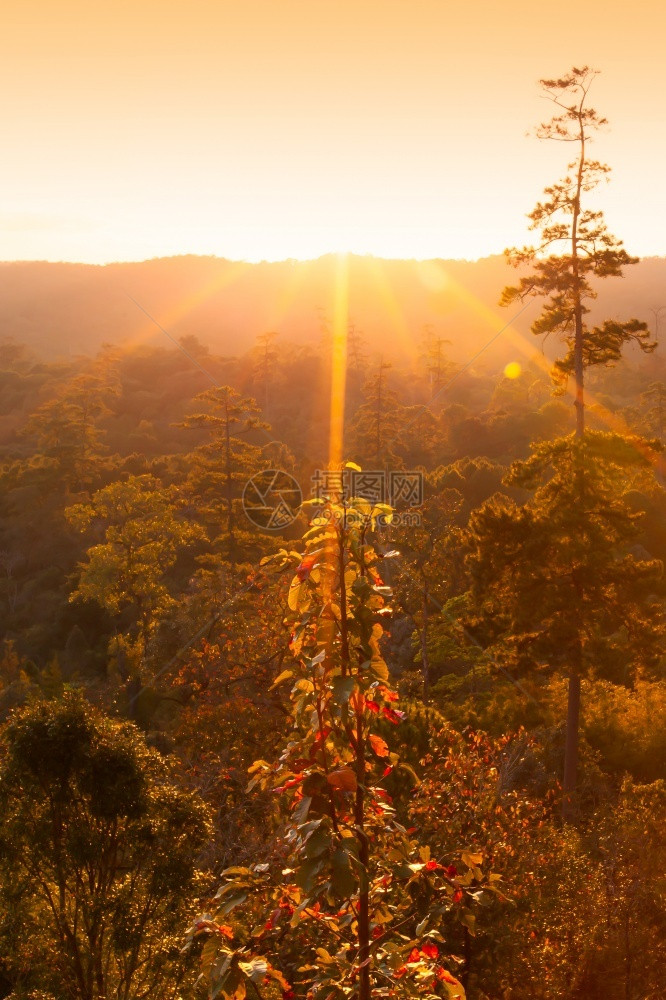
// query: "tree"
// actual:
[[554, 582], [264, 369], [356, 357], [633, 856], [219, 469], [353, 904], [67, 428], [423, 585], [100, 855], [654, 402], [439, 368], [587, 253], [143, 537], [377, 421]]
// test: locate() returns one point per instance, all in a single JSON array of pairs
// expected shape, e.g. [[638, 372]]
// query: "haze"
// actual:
[[265, 130]]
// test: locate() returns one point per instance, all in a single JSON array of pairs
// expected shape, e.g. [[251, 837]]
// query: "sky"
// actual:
[[273, 129]]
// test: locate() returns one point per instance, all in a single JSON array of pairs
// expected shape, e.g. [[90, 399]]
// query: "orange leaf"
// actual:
[[357, 701], [344, 779], [379, 745]]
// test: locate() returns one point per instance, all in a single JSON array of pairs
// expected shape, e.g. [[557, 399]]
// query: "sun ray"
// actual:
[[613, 421], [339, 361], [288, 293], [526, 346], [393, 308], [145, 329]]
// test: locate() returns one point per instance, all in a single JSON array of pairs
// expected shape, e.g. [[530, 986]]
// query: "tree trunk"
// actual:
[[425, 663], [573, 703], [571, 746]]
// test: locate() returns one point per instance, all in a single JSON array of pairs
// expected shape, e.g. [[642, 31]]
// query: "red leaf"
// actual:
[[379, 745], [393, 715], [357, 701], [414, 955], [344, 779], [447, 977], [431, 866], [430, 950], [303, 571]]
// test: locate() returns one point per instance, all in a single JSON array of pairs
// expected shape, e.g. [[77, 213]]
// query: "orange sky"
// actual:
[[288, 128]]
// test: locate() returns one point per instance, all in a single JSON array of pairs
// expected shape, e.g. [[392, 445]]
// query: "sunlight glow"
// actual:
[[339, 362], [146, 329]]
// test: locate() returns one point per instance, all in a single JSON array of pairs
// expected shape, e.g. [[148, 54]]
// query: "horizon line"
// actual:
[[278, 260]]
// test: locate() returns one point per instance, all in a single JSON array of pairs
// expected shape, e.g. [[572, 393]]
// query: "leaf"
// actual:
[[255, 970], [231, 902], [343, 688], [278, 977], [344, 779], [284, 676], [379, 668], [353, 465], [343, 882], [294, 593], [307, 872], [454, 988], [302, 809], [317, 843], [471, 858], [379, 745]]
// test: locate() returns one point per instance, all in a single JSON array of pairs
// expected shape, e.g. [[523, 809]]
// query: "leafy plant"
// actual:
[[356, 905]]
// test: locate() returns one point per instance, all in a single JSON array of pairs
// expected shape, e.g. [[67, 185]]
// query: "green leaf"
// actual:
[[317, 843], [343, 688], [343, 882], [307, 872], [284, 676], [379, 668]]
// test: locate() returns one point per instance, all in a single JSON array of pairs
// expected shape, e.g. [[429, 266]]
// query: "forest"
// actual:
[[328, 672]]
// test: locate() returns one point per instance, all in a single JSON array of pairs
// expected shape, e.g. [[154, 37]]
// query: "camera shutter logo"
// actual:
[[271, 499]]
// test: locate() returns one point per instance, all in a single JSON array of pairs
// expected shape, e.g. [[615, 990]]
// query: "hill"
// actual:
[[60, 309]]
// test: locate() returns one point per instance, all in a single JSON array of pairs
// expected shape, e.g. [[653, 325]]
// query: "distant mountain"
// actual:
[[67, 309]]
